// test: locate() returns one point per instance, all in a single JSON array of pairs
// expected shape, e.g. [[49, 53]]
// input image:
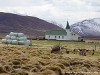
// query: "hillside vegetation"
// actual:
[[38, 59], [29, 25]]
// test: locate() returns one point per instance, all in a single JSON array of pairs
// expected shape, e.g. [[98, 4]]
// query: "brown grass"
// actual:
[[38, 60]]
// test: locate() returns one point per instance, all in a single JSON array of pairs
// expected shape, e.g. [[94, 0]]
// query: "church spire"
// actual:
[[67, 26]]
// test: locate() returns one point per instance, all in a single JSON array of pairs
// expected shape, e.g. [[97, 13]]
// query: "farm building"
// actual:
[[64, 34]]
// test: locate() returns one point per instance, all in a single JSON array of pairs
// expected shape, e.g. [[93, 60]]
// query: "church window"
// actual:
[[49, 36], [55, 37], [59, 37], [73, 34], [62, 37]]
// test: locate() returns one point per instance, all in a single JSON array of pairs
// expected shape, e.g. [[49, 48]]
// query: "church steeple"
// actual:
[[67, 26]]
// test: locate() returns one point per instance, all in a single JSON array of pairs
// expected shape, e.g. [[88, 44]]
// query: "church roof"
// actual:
[[67, 26], [56, 32]]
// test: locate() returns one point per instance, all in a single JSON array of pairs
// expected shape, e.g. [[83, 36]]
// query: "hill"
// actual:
[[29, 25], [87, 28]]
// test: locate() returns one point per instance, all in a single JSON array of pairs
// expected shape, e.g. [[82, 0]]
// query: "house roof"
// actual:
[[56, 32]]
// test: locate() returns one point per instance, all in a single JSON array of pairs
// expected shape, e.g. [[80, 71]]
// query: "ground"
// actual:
[[38, 59]]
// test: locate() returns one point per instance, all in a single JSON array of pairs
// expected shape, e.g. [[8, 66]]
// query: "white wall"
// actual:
[[69, 36], [58, 37], [63, 37], [49, 37], [74, 37]]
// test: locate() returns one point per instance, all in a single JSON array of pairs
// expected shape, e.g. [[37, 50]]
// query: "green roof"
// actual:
[[56, 32]]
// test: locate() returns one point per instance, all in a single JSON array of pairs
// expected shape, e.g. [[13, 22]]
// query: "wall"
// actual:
[[74, 36], [58, 37], [69, 36]]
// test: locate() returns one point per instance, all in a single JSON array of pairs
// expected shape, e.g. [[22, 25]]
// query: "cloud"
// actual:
[[13, 3], [54, 10], [21, 3]]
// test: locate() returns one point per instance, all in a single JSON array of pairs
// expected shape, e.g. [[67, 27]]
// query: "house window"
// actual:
[[73, 34], [62, 37], [49, 36], [55, 37], [59, 37]]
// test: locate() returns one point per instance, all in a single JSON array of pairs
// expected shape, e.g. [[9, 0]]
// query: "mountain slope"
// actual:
[[29, 25], [87, 28]]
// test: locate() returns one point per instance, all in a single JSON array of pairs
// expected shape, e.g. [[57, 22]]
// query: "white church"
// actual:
[[63, 34]]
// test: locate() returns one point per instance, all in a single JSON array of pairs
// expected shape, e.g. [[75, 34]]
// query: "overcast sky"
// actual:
[[54, 10]]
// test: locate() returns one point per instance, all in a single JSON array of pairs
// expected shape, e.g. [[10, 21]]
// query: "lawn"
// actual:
[[69, 44]]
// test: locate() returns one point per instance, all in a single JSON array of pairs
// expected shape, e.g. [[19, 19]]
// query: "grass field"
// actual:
[[38, 59], [70, 45]]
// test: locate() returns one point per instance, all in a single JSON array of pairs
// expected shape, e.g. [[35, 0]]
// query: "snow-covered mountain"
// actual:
[[87, 28]]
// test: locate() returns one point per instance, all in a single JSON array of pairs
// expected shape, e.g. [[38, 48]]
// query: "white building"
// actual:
[[64, 34]]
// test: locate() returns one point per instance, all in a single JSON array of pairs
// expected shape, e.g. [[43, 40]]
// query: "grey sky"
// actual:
[[54, 10]]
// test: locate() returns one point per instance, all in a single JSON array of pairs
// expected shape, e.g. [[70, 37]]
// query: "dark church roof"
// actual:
[[67, 26]]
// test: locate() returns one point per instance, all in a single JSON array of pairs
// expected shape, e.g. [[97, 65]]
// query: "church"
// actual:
[[63, 34]]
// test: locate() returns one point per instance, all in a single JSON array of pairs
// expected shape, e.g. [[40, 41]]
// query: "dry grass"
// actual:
[[37, 60]]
